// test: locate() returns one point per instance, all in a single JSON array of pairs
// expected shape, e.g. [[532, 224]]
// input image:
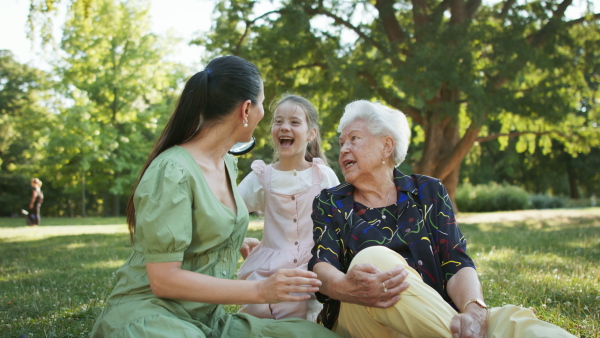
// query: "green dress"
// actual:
[[180, 219]]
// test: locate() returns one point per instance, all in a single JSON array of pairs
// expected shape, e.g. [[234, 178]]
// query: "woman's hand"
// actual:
[[365, 284], [471, 323], [281, 286], [249, 244]]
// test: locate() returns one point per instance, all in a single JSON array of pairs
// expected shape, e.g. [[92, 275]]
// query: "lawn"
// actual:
[[55, 278]]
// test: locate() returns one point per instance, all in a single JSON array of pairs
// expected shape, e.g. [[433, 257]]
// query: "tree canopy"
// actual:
[[24, 127], [464, 72], [116, 91], [508, 89]]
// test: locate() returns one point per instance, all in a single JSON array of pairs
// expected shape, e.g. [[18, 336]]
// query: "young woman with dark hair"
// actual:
[[188, 223]]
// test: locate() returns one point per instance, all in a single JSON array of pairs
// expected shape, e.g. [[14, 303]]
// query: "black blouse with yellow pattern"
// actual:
[[421, 227]]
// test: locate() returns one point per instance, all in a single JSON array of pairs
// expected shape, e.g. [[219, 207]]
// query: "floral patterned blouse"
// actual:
[[420, 226]]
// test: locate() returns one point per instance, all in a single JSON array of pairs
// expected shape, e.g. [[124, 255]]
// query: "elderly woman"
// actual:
[[388, 250]]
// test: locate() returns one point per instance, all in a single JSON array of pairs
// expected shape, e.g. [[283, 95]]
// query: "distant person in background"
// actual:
[[37, 197]]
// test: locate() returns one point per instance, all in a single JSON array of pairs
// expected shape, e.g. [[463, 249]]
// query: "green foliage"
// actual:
[[581, 203], [456, 69], [491, 197], [466, 73], [540, 201], [24, 128], [556, 173], [117, 91], [14, 194]]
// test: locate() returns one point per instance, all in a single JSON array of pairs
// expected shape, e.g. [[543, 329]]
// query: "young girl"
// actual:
[[285, 191]]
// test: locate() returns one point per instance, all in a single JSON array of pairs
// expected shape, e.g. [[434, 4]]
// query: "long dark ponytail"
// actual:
[[208, 97]]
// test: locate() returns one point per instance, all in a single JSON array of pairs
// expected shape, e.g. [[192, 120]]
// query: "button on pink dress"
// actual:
[[286, 244]]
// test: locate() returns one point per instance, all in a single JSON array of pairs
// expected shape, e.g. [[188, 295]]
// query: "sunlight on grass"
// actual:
[[37, 233], [548, 266], [54, 279], [93, 221], [110, 264], [75, 246]]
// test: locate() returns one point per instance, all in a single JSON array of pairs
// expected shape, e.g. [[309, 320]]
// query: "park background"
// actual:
[[498, 94], [501, 97]]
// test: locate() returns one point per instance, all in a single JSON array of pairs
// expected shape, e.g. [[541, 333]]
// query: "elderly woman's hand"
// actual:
[[471, 323], [464, 287], [365, 284]]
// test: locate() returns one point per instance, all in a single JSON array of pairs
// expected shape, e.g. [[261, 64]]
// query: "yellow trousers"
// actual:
[[422, 312]]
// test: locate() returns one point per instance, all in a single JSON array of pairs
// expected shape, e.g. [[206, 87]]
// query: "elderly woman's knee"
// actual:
[[382, 257]]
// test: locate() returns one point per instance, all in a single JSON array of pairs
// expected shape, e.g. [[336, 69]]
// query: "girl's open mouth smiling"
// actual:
[[286, 141]]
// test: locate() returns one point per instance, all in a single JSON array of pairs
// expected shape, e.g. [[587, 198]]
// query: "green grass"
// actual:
[[550, 266], [55, 278]]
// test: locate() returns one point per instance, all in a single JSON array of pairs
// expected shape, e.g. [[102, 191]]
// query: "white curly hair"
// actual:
[[381, 121]]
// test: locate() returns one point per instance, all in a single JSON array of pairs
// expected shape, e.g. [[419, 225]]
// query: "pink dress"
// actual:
[[286, 244]]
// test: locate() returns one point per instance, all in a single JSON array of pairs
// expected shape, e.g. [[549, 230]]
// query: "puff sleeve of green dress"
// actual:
[[178, 218]]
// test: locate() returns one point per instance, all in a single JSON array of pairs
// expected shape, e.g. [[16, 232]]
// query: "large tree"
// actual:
[[24, 128], [453, 66], [118, 89]]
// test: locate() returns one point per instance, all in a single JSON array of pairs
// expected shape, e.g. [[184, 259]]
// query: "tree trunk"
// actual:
[[71, 207], [105, 205], [572, 175], [82, 193], [444, 150], [451, 183], [116, 205]]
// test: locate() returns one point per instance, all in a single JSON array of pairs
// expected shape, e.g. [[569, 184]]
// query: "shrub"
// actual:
[[491, 197], [542, 201], [580, 203]]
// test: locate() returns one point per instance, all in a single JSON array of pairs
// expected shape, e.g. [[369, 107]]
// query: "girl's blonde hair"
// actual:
[[36, 181], [313, 148]]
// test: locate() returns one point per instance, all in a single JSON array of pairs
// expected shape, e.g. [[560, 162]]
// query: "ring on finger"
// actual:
[[384, 288]]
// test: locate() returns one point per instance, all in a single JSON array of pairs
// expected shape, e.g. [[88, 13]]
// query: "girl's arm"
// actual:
[[168, 280], [252, 192], [249, 244]]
